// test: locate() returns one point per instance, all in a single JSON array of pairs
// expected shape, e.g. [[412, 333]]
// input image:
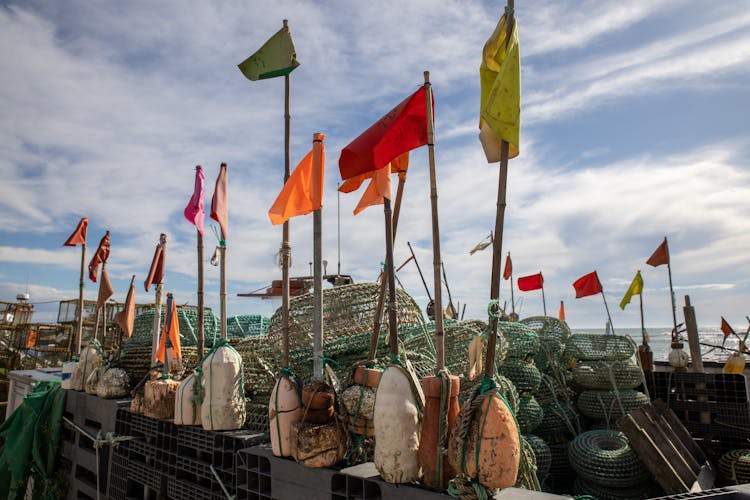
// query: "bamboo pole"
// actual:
[[390, 273], [286, 250], [98, 308], [80, 299], [317, 296], [608, 315], [544, 301], [436, 259], [167, 326], [201, 333], [157, 300], [419, 270], [512, 299], [223, 288], [454, 313], [671, 296]]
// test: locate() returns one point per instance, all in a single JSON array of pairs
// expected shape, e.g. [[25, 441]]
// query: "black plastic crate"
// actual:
[[144, 427], [253, 475], [141, 452], [145, 475], [122, 422], [202, 445], [179, 490]]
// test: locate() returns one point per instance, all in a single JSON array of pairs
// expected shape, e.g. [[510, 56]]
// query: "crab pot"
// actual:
[[283, 411], [396, 420], [431, 429], [158, 398]]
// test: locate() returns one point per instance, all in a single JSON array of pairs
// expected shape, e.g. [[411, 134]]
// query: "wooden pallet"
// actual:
[[665, 447]]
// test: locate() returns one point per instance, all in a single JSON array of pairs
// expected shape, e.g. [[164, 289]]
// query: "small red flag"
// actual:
[[404, 128], [219, 202], [508, 268], [587, 284], [194, 211], [726, 328], [660, 255], [561, 312], [100, 257], [156, 272], [79, 235], [126, 317], [528, 283]]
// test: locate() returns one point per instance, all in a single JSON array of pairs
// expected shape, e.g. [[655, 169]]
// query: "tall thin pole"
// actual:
[[338, 229], [223, 288], [156, 328], [391, 275], [98, 309], [317, 296], [671, 296], [544, 301], [168, 325], [448, 289], [643, 324], [513, 300], [608, 315], [80, 299], [419, 270], [497, 247], [436, 259], [286, 250], [201, 338]]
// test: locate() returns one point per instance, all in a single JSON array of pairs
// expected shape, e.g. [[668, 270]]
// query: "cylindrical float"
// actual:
[[283, 411], [436, 391], [223, 407], [158, 398], [187, 405], [113, 383]]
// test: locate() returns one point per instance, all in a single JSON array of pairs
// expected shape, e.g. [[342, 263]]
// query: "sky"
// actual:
[[634, 127]]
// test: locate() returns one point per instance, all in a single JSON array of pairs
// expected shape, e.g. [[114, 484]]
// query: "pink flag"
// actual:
[[219, 203], [194, 211]]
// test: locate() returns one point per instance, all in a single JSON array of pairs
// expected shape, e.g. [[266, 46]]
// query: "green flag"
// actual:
[[636, 287], [275, 58]]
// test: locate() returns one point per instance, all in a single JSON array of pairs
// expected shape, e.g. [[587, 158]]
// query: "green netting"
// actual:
[[604, 457], [548, 328], [549, 355], [529, 414], [589, 346], [523, 373], [560, 470], [734, 466], [522, 340], [551, 389], [246, 325], [541, 452], [608, 406], [136, 361], [639, 492], [621, 374], [560, 422], [188, 320], [527, 477]]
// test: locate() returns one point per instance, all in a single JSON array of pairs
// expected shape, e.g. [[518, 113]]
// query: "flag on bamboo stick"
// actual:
[[508, 271], [303, 191], [276, 57], [404, 128], [489, 240], [173, 333], [100, 257], [377, 190], [588, 284], [79, 235], [194, 211], [156, 271], [220, 203], [726, 329], [660, 255], [500, 99], [31, 340], [532, 282], [636, 288], [126, 318], [561, 311], [105, 290], [398, 165]]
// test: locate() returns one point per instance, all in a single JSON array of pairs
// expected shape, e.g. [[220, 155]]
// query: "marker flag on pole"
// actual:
[[398, 165], [489, 240], [377, 190], [726, 329], [156, 271], [220, 202], [79, 235], [194, 212], [173, 333], [508, 271], [660, 255], [636, 288], [532, 282], [276, 57], [303, 191], [500, 98], [100, 257], [404, 128], [561, 311], [587, 284], [105, 290], [126, 318]]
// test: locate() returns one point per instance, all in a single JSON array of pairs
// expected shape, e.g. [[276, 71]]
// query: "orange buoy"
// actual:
[[431, 429]]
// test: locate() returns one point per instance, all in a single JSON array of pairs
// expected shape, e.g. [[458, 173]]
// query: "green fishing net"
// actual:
[[559, 422], [529, 414], [523, 373], [548, 328], [608, 406], [618, 374], [604, 457], [522, 340], [587, 346], [541, 451]]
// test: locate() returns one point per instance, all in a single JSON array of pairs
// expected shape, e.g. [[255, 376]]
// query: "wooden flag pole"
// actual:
[[419, 270], [317, 296], [80, 299], [167, 326], [286, 250], [98, 308], [497, 247], [512, 299], [608, 315], [391, 275], [436, 259], [157, 300], [671, 296], [223, 288], [447, 289], [382, 287], [544, 301], [201, 333]]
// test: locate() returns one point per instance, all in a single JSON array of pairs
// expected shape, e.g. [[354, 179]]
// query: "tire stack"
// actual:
[[605, 370]]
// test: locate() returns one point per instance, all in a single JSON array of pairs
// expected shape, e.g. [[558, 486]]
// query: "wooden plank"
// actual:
[[669, 445], [679, 447], [659, 407]]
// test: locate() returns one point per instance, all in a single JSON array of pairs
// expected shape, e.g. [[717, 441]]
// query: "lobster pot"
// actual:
[[89, 361], [396, 419], [608, 406], [158, 398], [223, 407], [524, 374], [613, 375], [283, 411], [187, 407], [317, 445], [530, 414], [68, 373], [541, 452], [93, 380], [113, 383]]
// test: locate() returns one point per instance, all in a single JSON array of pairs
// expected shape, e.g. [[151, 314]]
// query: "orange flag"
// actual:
[[726, 329], [303, 191], [220, 202], [660, 255], [126, 317], [508, 271], [156, 272], [100, 257], [377, 190], [174, 332], [79, 235], [105, 289], [561, 312], [400, 165]]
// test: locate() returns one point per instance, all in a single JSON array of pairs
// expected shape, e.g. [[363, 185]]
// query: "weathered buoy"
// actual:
[[317, 445], [89, 361], [432, 427], [223, 407], [187, 404], [283, 411], [92, 380], [136, 404], [158, 398], [113, 383], [396, 419]]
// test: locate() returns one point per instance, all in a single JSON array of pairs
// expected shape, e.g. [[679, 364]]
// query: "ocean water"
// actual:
[[660, 341]]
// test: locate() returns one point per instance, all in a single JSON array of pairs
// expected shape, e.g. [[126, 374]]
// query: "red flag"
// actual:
[[156, 272], [100, 257], [561, 312], [399, 165], [194, 211], [587, 285], [79, 235], [508, 271], [404, 128], [660, 255], [219, 203], [528, 283], [126, 317], [726, 328]]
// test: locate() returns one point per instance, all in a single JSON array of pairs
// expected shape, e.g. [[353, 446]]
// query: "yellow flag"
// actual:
[[636, 287], [500, 102]]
